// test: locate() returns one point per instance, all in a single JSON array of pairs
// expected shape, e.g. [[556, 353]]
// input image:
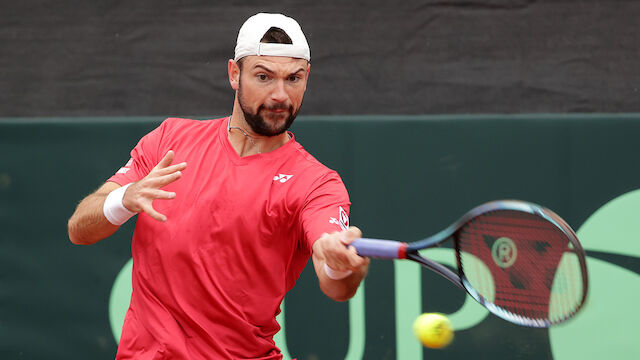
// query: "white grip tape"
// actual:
[[335, 274], [113, 209]]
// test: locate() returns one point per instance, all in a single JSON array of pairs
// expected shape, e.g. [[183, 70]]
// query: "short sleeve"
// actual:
[[326, 208], [144, 157]]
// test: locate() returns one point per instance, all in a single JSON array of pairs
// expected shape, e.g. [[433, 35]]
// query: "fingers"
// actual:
[[164, 173], [166, 160], [336, 252], [350, 262], [161, 194], [160, 181], [355, 260], [140, 197], [148, 208], [171, 169], [143, 201]]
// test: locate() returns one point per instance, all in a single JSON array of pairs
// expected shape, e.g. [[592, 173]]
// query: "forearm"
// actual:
[[346, 268], [88, 223], [341, 289]]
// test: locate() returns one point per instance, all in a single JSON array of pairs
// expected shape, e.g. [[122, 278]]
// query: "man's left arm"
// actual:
[[325, 221], [338, 267]]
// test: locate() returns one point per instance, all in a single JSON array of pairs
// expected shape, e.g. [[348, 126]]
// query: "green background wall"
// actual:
[[408, 177]]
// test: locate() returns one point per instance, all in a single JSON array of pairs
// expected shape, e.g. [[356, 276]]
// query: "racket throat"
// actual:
[[402, 251]]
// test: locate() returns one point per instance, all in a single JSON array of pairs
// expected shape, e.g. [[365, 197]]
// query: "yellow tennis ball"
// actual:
[[434, 330]]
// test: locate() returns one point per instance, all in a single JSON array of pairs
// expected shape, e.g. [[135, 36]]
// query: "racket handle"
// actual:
[[382, 249]]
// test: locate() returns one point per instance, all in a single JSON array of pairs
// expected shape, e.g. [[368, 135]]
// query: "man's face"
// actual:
[[270, 92]]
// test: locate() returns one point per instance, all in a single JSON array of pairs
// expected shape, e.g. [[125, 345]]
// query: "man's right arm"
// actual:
[[88, 224]]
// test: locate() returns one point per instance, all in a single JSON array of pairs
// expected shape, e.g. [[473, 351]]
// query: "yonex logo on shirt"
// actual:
[[282, 177]]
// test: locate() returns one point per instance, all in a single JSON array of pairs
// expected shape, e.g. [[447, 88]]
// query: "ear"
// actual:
[[234, 74], [308, 71]]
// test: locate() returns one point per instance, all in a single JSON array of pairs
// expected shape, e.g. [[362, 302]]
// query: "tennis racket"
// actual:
[[519, 260]]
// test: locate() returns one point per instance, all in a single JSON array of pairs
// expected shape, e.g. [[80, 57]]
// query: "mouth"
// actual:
[[277, 110]]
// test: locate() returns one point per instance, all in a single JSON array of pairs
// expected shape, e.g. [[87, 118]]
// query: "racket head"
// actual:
[[522, 262]]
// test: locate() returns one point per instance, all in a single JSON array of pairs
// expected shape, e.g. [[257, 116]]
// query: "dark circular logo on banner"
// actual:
[[504, 252]]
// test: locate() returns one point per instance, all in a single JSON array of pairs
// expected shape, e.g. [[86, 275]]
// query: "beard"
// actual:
[[262, 126]]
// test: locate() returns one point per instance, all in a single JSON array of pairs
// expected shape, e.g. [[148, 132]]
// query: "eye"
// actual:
[[294, 78], [262, 77]]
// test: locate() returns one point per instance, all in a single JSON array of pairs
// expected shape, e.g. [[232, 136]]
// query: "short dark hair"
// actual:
[[274, 35]]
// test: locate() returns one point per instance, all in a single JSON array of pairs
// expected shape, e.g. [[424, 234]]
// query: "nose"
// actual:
[[279, 93]]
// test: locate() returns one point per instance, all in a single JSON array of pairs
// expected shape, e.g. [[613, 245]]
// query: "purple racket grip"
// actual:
[[382, 249]]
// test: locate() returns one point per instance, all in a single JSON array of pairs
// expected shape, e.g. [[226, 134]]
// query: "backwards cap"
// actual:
[[256, 26]]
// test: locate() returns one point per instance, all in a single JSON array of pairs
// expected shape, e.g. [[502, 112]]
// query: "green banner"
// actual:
[[408, 178]]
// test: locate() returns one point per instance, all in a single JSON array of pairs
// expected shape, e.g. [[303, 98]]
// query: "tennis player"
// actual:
[[229, 212]]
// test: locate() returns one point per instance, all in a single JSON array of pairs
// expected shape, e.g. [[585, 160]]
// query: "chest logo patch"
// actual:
[[282, 178]]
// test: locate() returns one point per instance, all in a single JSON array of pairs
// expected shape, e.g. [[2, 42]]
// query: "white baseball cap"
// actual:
[[256, 26]]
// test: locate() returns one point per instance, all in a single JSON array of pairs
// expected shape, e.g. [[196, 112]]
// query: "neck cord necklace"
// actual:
[[229, 127]]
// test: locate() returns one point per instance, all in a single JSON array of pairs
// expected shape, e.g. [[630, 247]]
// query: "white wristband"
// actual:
[[113, 209], [335, 274]]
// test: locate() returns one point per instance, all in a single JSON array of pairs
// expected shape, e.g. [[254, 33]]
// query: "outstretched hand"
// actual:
[[140, 195]]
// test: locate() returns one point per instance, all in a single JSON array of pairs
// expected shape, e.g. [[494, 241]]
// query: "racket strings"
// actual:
[[517, 261]]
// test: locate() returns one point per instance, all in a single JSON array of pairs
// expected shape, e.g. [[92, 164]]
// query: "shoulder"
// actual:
[[307, 164], [183, 124], [176, 128], [315, 175]]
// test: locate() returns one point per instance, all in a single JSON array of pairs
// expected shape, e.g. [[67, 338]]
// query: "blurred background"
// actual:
[[161, 57], [425, 108]]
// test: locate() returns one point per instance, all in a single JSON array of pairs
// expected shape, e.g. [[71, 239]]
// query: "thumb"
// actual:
[[351, 234]]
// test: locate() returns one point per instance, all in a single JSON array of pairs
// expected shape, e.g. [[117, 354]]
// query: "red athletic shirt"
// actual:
[[208, 282]]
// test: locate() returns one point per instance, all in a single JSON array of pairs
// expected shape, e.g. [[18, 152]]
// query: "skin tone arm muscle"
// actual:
[[88, 224], [332, 249]]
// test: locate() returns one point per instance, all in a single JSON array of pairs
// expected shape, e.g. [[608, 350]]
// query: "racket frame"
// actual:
[[410, 251]]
